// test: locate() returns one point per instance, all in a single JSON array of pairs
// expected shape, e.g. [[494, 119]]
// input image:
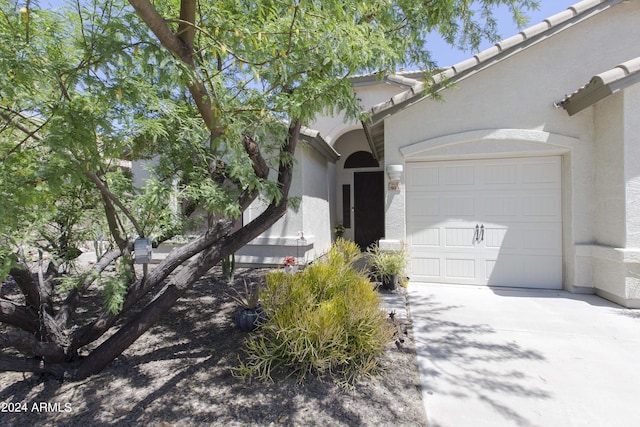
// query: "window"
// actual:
[[361, 159], [346, 206]]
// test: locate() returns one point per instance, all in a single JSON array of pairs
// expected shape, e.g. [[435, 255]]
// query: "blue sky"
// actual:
[[444, 54]]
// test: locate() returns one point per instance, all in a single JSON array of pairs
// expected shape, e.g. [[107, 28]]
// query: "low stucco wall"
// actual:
[[271, 251]]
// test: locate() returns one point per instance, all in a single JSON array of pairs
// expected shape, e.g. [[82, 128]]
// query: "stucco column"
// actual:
[[395, 198], [632, 190], [632, 165]]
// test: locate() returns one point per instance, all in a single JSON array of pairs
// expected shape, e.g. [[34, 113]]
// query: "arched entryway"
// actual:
[[360, 186]]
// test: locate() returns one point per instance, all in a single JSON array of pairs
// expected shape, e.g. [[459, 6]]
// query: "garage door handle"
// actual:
[[476, 235], [482, 233]]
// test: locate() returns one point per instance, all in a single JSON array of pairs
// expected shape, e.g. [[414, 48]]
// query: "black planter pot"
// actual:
[[389, 281], [249, 319]]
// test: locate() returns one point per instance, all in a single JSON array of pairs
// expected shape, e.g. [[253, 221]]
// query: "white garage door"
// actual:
[[491, 222]]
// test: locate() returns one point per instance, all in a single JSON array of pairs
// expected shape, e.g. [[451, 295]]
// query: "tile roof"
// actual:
[[315, 140], [417, 89], [602, 85]]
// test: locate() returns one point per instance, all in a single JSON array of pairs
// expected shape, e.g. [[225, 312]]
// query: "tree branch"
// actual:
[[18, 315], [260, 166], [27, 344], [186, 29], [112, 222], [71, 302], [177, 257], [209, 255], [12, 364], [176, 45], [109, 195], [30, 133], [27, 285]]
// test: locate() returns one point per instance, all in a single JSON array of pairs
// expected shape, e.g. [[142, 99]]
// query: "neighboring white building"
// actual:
[[525, 174]]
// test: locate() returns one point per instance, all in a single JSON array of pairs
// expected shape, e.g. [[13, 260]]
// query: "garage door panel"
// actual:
[[427, 236], [502, 206], [506, 271], [541, 207], [459, 237], [496, 238], [460, 268], [426, 267], [518, 201], [542, 172], [460, 175], [542, 238], [539, 271], [516, 271], [524, 237], [461, 206], [501, 174], [423, 177], [423, 206]]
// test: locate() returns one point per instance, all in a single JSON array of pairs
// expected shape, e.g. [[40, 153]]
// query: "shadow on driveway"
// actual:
[[503, 357]]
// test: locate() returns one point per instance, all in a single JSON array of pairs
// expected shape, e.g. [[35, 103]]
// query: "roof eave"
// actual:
[[313, 138], [367, 132], [601, 86], [485, 59]]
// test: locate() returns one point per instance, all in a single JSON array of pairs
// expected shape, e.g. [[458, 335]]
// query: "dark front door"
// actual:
[[368, 201]]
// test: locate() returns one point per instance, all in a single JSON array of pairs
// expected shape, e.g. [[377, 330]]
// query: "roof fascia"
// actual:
[[487, 58], [369, 138], [596, 91], [313, 138]]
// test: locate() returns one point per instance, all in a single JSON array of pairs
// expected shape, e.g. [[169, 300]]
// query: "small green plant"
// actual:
[[339, 230], [251, 297], [387, 262], [325, 321]]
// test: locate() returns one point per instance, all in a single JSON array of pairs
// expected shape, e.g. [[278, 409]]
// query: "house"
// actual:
[[525, 174], [305, 232]]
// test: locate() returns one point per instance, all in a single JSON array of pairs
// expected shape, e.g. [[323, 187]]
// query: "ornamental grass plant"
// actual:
[[324, 321], [387, 262]]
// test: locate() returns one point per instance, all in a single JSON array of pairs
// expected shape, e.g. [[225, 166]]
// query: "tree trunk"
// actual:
[[208, 257], [31, 365], [27, 344], [132, 330], [18, 315]]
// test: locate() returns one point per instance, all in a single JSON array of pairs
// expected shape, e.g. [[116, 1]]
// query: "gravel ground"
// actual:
[[179, 374]]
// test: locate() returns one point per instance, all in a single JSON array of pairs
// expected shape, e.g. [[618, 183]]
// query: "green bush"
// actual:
[[387, 262], [324, 321]]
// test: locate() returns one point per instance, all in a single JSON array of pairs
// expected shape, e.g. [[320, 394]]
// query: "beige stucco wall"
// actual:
[[316, 197], [508, 110], [304, 233], [333, 127]]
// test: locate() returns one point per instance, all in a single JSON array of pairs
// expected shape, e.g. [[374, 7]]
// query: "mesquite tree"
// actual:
[[213, 95]]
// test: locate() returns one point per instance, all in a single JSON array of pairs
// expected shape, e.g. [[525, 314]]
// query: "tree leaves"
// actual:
[[81, 88], [90, 87]]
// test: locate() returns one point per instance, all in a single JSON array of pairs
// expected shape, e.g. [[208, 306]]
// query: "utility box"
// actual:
[[142, 251]]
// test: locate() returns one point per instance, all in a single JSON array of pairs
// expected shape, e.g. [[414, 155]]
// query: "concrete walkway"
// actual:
[[507, 357]]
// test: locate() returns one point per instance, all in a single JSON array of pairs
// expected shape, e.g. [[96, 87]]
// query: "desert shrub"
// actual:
[[325, 321], [387, 262]]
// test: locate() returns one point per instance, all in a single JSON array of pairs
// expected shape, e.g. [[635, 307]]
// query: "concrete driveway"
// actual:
[[512, 357]]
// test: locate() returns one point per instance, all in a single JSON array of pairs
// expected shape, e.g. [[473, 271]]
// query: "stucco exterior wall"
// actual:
[[305, 233], [610, 229], [631, 125], [333, 127], [315, 204], [483, 114], [632, 177]]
